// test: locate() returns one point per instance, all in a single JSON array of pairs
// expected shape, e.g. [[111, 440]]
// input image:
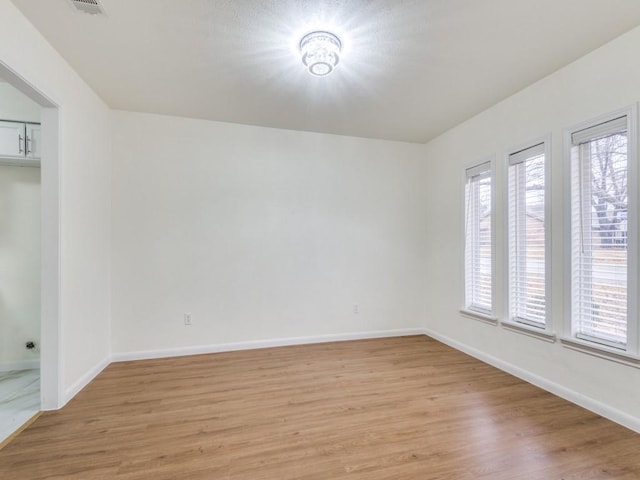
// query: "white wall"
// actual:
[[260, 234], [15, 105], [84, 177], [603, 81], [19, 266]]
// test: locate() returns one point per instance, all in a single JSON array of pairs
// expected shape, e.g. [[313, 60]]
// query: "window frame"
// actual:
[[488, 316], [630, 354], [544, 332]]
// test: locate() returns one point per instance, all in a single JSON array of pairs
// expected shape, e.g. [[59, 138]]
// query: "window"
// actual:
[[602, 287], [527, 237], [479, 240]]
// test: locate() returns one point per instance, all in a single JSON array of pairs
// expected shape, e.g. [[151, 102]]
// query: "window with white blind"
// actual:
[[603, 210], [527, 237], [479, 235]]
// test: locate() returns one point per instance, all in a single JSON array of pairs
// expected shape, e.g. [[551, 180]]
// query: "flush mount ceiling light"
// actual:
[[320, 52]]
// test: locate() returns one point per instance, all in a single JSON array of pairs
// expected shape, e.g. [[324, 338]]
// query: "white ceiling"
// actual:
[[411, 69]]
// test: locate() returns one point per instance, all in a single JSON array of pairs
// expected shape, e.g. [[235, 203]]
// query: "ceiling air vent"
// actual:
[[94, 7]]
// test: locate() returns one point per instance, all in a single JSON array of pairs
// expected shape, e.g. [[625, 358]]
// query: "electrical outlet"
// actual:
[[187, 319], [356, 308]]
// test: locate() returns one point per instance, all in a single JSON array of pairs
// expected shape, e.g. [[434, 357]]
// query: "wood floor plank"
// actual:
[[396, 408]]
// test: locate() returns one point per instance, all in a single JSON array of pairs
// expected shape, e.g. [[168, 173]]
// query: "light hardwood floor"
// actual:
[[397, 408]]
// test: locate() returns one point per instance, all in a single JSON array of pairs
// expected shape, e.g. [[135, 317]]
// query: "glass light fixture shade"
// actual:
[[320, 52]]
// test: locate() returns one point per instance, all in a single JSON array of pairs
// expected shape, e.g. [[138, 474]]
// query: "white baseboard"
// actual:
[[255, 344], [561, 391], [20, 365], [83, 381]]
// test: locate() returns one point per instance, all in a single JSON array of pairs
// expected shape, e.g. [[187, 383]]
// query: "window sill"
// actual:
[[601, 351], [529, 330], [482, 317]]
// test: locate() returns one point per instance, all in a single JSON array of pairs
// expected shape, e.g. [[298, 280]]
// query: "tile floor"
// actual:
[[19, 399]]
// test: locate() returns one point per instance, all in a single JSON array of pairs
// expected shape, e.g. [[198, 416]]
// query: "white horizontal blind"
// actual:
[[599, 130], [599, 216], [478, 239], [527, 227]]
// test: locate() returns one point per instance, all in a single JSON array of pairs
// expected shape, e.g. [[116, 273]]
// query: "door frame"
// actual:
[[51, 375]]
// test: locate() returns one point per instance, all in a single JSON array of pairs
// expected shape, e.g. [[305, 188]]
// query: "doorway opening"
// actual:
[[30, 377]]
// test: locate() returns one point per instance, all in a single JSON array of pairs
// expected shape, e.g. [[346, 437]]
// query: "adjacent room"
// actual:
[[20, 273], [295, 239]]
